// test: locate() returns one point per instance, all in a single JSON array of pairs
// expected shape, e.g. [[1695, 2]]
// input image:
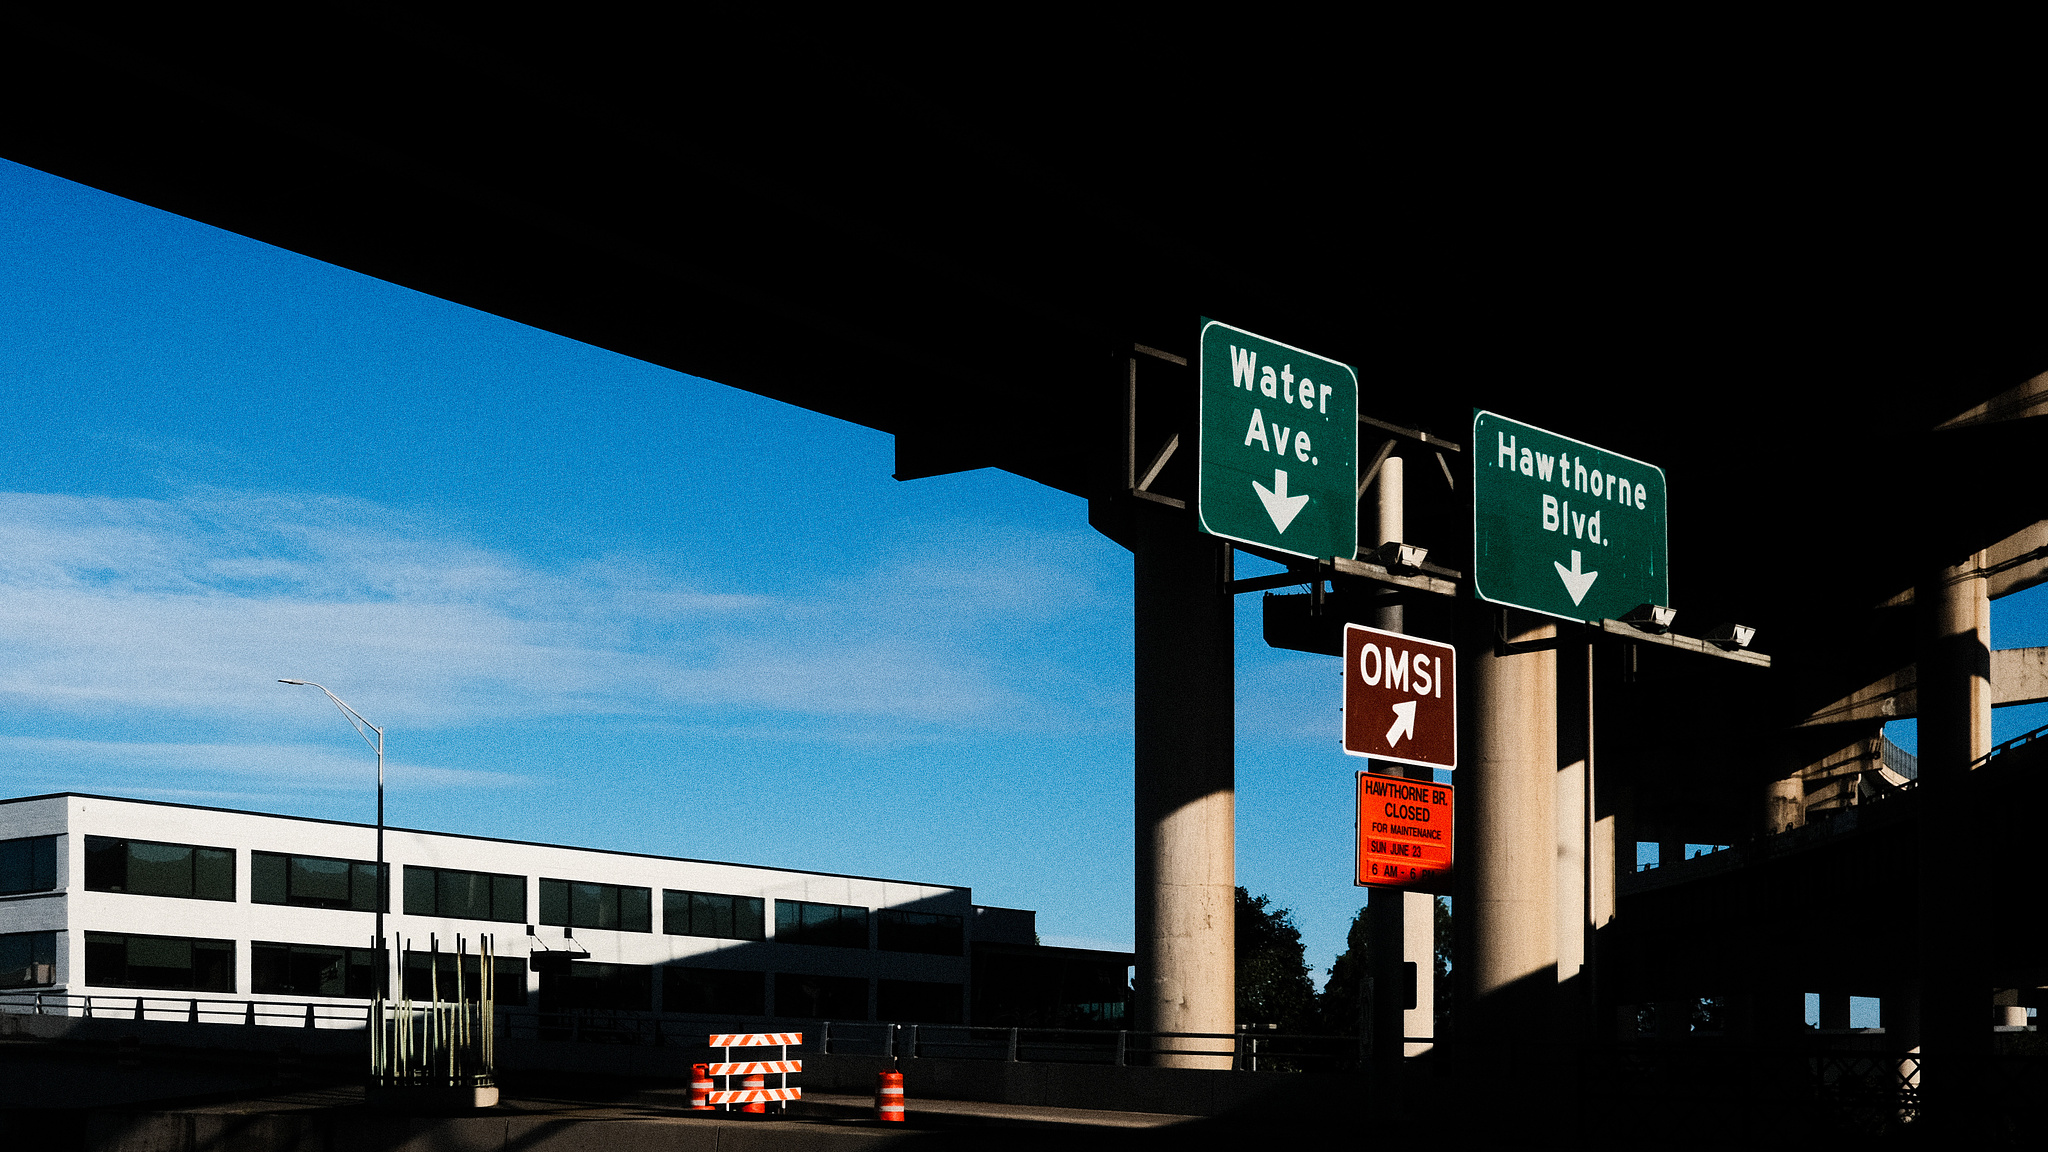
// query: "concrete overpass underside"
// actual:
[[1847, 401]]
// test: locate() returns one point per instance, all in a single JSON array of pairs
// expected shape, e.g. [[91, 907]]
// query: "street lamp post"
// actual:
[[356, 721]]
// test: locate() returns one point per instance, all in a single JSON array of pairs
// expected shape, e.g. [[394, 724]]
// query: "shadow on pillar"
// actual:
[[1954, 687], [1185, 782]]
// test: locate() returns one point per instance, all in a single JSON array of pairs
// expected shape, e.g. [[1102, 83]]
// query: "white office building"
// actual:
[[101, 896]]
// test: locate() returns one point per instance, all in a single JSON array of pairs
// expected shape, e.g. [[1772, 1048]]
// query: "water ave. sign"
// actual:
[[1279, 446], [1563, 528]]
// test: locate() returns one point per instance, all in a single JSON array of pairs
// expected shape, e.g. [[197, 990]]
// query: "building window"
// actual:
[[146, 868], [919, 1002], [712, 914], [821, 997], [28, 959], [575, 905], [797, 922], [713, 991], [311, 970], [465, 895], [28, 865], [172, 963], [313, 881], [930, 932], [424, 971]]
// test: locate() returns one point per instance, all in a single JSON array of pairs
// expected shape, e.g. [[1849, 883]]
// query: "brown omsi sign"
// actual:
[[1400, 698]]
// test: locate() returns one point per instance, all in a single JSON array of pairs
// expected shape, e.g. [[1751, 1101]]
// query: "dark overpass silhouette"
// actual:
[[1828, 340]]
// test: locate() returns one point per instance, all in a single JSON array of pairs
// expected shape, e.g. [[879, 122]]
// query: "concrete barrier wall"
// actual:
[[1176, 1091]]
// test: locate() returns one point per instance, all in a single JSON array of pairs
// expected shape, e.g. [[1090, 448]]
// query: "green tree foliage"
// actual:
[[1443, 966], [1273, 985], [1340, 1010]]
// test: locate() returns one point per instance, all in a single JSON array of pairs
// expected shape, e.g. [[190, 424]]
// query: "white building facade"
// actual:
[[101, 896]]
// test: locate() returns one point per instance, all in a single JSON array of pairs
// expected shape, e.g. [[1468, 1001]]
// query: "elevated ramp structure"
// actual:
[[1851, 428]]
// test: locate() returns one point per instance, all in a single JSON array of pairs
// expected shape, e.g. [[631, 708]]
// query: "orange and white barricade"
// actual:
[[888, 1095], [700, 1088], [753, 1093]]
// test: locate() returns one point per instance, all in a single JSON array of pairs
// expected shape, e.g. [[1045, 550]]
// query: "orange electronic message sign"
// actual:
[[1404, 833]]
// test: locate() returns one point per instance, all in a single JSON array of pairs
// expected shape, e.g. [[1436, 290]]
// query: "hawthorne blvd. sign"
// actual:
[[1279, 446], [1564, 528]]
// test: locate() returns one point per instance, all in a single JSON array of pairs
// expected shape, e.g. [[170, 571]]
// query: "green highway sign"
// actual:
[[1563, 528], [1279, 446]]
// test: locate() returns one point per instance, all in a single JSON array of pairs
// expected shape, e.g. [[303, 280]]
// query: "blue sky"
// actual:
[[592, 601]]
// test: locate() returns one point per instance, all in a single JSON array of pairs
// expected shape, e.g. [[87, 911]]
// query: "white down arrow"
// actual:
[[1279, 505]]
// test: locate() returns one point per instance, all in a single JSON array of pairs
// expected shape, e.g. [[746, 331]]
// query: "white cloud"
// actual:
[[196, 605], [304, 767]]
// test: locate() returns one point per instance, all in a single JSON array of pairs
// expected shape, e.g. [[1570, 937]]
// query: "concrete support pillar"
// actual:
[[1506, 903], [1954, 683], [1898, 1008], [2006, 1009], [1784, 806], [1954, 687], [1185, 787]]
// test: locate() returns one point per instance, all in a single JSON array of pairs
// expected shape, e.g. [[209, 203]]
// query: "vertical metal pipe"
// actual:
[[1387, 926], [383, 881]]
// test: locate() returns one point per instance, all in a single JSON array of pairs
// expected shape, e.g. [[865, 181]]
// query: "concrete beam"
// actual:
[[1888, 697], [2018, 676], [2014, 564], [2019, 561], [2016, 403]]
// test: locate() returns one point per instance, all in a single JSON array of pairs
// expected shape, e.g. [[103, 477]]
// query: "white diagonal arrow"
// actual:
[[1279, 505], [1575, 582], [1404, 723]]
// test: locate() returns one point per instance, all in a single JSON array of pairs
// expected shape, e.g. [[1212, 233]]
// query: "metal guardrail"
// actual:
[[1999, 749], [2022, 738], [1248, 1051], [188, 1010], [601, 1027], [1840, 820]]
